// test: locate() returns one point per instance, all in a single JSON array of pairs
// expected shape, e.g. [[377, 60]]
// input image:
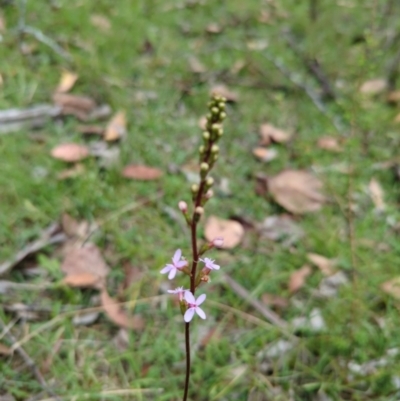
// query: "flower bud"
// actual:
[[206, 136], [204, 167], [222, 115], [220, 132], [209, 182], [201, 149], [194, 188], [214, 149], [199, 210], [182, 206], [209, 194], [215, 110], [221, 106]]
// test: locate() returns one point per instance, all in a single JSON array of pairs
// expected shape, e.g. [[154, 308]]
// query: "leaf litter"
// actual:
[[142, 172], [230, 230], [271, 134], [70, 152]]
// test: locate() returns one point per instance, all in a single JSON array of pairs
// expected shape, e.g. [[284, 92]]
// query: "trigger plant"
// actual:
[[197, 268]]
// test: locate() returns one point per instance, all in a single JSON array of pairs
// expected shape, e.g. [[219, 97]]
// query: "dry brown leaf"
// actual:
[[265, 154], [373, 86], [392, 287], [101, 22], [202, 123], [397, 118], [297, 191], [118, 315], [213, 27], [269, 133], [85, 267], [376, 193], [329, 143], [66, 100], [394, 97], [70, 152], [67, 81], [75, 171], [196, 65], [223, 90], [141, 172], [90, 129], [327, 266], [298, 278], [274, 300], [4, 350], [83, 280], [2, 23], [116, 128], [230, 230]]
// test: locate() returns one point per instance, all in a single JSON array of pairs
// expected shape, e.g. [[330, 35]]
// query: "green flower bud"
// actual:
[[201, 149], [209, 182], [215, 110], [194, 188], [222, 115], [206, 135], [221, 106], [214, 149]]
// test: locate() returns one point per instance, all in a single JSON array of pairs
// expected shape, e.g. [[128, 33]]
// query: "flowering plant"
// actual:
[[201, 193]]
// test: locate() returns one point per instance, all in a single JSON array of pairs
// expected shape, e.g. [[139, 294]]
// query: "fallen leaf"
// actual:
[[376, 194], [141, 172], [213, 27], [4, 350], [78, 106], [196, 65], [116, 314], [269, 133], [265, 154], [75, 171], [298, 278], [85, 319], [2, 23], [116, 128], [101, 22], [70, 152], [224, 91], [324, 264], [394, 97], [67, 81], [280, 228], [392, 287], [297, 191], [329, 143], [373, 86], [90, 129], [85, 267], [230, 230], [202, 123]]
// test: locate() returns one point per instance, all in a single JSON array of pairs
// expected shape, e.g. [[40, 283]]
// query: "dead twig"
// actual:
[[313, 67], [49, 237], [243, 293], [335, 120], [29, 362]]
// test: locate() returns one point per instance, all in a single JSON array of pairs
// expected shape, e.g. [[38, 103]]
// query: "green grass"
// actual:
[[351, 40]]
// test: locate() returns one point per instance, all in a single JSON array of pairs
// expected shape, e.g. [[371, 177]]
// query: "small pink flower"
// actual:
[[194, 306], [209, 264], [218, 242], [177, 264], [182, 206], [180, 291]]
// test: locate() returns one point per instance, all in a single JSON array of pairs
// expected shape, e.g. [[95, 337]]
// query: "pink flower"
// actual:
[[218, 242], [194, 306], [180, 291], [209, 264], [177, 264]]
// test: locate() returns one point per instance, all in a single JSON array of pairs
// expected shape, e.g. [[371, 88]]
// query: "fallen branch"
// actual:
[[49, 237]]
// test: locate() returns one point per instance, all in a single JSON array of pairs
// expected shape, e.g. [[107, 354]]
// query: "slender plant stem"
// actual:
[[187, 341]]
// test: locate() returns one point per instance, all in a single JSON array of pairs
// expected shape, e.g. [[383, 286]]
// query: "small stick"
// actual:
[[29, 362], [319, 104]]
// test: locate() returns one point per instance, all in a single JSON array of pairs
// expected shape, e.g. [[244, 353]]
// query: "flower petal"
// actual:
[[172, 273], [166, 269], [216, 267], [188, 316], [181, 263], [200, 312], [201, 299], [177, 256], [189, 298]]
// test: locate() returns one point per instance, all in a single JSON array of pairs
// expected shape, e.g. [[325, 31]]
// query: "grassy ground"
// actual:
[[354, 41]]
